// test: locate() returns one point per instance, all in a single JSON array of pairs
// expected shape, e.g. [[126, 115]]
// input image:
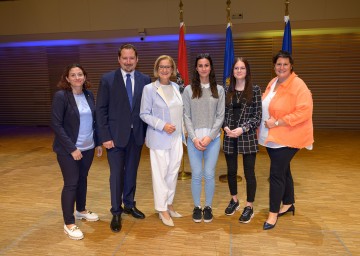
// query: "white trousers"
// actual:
[[165, 166]]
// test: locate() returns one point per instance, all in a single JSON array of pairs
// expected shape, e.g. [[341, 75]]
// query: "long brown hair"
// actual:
[[248, 90], [196, 85], [65, 85]]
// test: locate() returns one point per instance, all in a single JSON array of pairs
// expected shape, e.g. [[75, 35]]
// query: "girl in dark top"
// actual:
[[242, 118]]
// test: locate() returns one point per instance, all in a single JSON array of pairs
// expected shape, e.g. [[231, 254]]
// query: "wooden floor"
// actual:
[[327, 219]]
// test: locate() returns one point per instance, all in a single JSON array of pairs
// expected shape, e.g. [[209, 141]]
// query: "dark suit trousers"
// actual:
[[281, 181], [75, 183], [249, 171], [123, 162]]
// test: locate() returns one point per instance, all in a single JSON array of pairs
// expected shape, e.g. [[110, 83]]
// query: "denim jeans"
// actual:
[[210, 157]]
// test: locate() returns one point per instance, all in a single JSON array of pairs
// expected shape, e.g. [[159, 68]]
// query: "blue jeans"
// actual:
[[210, 156]]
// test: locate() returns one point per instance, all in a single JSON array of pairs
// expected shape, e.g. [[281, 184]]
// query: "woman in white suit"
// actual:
[[162, 109]]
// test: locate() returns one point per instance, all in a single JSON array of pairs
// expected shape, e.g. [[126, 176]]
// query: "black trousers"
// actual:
[[281, 181], [249, 171], [75, 183]]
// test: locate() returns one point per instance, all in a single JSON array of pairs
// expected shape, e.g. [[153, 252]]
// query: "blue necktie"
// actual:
[[129, 88]]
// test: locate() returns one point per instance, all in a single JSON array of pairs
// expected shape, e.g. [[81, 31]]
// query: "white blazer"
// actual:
[[155, 112]]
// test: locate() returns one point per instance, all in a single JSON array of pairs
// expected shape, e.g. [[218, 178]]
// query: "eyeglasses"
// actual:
[[241, 68], [165, 67]]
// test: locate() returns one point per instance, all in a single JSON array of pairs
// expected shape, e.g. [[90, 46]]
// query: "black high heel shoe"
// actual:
[[291, 209], [268, 226]]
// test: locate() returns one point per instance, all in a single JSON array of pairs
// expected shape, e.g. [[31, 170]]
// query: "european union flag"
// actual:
[[229, 55], [287, 42]]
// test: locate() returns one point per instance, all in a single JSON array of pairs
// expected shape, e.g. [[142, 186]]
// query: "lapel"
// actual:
[[119, 81], [137, 87], [119, 87], [177, 92], [160, 91], [72, 103]]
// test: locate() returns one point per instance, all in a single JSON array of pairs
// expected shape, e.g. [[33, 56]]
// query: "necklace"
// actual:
[[238, 96]]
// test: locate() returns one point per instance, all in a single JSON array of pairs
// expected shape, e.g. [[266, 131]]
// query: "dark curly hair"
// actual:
[[65, 85], [195, 84]]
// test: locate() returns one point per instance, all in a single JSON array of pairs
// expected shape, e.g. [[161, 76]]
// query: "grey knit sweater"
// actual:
[[204, 112]]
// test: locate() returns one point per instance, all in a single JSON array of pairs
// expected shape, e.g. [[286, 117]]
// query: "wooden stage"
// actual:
[[326, 221]]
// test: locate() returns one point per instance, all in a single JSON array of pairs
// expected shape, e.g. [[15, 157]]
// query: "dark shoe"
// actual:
[[135, 212], [115, 224], [268, 226], [291, 209], [197, 214], [207, 212], [232, 207], [247, 215]]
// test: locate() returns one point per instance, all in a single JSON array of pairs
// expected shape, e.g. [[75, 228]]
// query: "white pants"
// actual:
[[165, 166]]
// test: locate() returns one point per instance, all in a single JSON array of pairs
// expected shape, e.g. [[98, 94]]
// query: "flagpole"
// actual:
[[287, 7], [224, 178], [182, 175], [287, 41]]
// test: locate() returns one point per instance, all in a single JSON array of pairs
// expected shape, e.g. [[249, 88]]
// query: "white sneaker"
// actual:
[[74, 232], [89, 216]]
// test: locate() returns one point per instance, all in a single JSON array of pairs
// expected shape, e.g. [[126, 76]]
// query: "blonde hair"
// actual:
[[157, 64]]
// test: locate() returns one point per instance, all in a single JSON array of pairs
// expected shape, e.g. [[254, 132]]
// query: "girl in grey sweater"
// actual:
[[204, 110]]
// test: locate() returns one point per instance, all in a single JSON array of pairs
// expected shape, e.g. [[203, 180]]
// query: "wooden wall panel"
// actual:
[[58, 58], [24, 86], [329, 65]]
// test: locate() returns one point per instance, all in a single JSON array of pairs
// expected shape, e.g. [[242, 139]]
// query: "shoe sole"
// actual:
[[229, 214], [80, 218], [197, 221], [245, 222], [207, 221], [73, 237]]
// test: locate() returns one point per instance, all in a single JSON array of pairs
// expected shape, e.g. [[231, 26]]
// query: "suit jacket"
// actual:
[[65, 120], [114, 115], [156, 113]]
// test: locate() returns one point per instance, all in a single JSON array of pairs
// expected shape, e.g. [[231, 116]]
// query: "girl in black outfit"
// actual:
[[242, 118]]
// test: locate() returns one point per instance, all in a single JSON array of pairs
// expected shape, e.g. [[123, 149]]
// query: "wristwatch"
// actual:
[[277, 123]]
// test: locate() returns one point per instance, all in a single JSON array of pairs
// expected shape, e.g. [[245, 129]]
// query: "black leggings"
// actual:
[[249, 171]]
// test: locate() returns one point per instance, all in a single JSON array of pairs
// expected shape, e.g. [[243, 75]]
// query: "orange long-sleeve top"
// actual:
[[293, 104]]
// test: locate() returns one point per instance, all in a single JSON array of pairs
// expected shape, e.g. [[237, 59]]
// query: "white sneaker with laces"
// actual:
[[73, 233], [89, 216]]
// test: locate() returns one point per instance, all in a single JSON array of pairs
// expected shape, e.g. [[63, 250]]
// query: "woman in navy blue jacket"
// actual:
[[73, 121]]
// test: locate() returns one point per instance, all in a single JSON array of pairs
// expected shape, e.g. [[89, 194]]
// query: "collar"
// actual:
[[288, 80], [123, 73], [205, 85]]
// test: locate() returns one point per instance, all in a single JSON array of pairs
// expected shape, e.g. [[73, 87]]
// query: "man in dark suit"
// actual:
[[121, 130]]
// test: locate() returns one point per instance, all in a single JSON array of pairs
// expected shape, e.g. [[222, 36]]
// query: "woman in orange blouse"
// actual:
[[286, 126]]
